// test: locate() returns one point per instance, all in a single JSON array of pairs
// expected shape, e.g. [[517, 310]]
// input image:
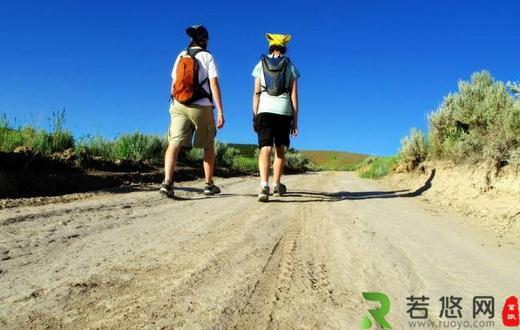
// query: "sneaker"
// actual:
[[263, 195], [166, 190], [211, 189], [279, 190]]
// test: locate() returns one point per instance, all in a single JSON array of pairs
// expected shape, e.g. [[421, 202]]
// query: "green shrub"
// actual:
[[479, 123], [377, 167], [246, 150], [297, 162], [136, 147], [195, 155], [42, 142], [514, 87], [10, 139], [36, 139], [414, 149], [245, 164], [4, 123], [225, 154], [515, 157], [139, 147], [59, 139], [98, 146]]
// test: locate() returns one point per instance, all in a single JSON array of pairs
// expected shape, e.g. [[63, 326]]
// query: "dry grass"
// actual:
[[334, 160]]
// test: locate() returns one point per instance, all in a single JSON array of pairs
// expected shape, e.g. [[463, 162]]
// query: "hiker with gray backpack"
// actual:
[[275, 111], [195, 92]]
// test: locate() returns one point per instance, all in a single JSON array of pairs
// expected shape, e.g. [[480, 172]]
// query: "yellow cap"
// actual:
[[278, 39]]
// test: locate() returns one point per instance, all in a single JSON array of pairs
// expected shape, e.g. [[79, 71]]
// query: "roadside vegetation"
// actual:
[[136, 147], [244, 158], [37, 139], [377, 167], [480, 123]]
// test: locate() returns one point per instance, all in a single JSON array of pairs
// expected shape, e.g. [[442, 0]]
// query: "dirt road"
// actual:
[[131, 259]]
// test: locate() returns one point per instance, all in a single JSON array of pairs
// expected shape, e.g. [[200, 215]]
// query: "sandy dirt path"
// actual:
[[134, 260]]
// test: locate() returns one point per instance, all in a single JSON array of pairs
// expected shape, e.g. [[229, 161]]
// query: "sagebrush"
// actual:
[[480, 123], [377, 167], [414, 149]]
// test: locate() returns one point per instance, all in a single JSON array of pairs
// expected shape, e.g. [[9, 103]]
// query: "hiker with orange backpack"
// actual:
[[195, 92], [275, 111]]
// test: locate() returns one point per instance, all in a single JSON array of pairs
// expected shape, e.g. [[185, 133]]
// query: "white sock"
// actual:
[[264, 184]]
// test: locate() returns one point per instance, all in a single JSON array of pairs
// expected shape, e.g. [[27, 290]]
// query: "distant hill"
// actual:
[[325, 159], [334, 160]]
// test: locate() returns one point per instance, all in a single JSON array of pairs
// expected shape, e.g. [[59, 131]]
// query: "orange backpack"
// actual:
[[187, 88]]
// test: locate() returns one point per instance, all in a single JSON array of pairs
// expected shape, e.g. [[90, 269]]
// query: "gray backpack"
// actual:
[[275, 75]]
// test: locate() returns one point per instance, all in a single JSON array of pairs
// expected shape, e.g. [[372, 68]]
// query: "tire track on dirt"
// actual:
[[173, 293], [293, 270], [273, 283], [301, 261]]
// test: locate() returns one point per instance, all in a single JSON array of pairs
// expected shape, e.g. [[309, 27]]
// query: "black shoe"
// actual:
[[166, 190], [211, 189], [279, 190]]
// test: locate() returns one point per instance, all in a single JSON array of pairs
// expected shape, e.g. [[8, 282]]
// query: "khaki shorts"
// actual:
[[188, 120]]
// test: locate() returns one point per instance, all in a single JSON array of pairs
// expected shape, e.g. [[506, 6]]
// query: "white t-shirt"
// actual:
[[207, 69], [280, 104]]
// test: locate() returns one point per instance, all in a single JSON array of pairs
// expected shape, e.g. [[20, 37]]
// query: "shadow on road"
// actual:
[[310, 196]]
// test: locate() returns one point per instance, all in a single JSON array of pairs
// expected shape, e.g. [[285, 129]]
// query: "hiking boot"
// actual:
[[263, 195], [211, 189], [279, 190], [166, 190]]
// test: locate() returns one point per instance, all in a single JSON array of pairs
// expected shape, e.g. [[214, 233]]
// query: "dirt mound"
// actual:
[[28, 174], [494, 201]]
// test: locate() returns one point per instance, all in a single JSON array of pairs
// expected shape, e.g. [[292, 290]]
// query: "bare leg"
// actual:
[[209, 163], [279, 162], [170, 160], [263, 163]]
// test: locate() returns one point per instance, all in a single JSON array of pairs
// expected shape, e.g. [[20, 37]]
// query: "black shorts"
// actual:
[[273, 129]]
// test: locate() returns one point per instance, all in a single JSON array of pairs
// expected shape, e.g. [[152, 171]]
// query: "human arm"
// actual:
[[257, 89], [215, 91], [294, 103]]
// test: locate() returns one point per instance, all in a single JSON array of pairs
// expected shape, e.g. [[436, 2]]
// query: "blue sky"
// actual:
[[371, 70]]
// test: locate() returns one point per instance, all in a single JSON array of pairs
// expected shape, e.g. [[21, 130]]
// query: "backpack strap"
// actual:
[[264, 67], [203, 92], [192, 52]]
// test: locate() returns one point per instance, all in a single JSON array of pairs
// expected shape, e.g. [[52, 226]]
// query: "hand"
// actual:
[[220, 120], [255, 125], [294, 130]]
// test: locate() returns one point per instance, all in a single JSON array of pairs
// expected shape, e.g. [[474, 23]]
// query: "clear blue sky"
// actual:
[[371, 70]]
